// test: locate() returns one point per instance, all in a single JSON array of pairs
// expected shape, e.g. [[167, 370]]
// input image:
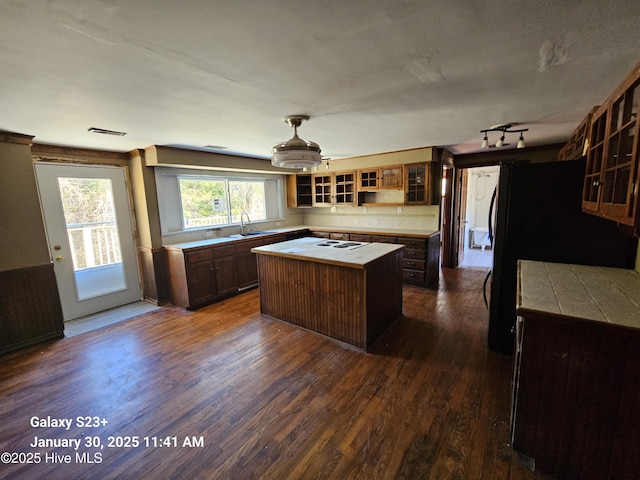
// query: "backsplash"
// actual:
[[419, 217]]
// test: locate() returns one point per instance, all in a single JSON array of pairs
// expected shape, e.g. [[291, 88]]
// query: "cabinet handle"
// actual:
[[597, 183]]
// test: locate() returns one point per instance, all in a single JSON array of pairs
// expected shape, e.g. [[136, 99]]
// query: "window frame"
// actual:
[[170, 201]]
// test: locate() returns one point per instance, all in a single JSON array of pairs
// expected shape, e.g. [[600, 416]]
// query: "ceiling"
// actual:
[[375, 76]]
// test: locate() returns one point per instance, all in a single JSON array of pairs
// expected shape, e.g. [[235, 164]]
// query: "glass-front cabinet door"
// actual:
[[591, 190], [619, 171], [322, 190], [610, 185], [368, 180], [416, 182], [345, 188]]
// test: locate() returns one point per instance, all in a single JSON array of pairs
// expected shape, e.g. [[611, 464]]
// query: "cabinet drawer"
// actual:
[[383, 239], [412, 276], [199, 256], [412, 264], [411, 254], [276, 239], [415, 243], [339, 236], [226, 251], [355, 237]]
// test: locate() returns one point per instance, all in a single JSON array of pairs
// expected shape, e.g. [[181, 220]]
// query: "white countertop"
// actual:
[[599, 294], [307, 249], [207, 242]]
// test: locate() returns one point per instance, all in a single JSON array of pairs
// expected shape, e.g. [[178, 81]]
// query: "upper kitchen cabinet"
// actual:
[[612, 161], [345, 188], [416, 184], [333, 189], [299, 191], [380, 178], [322, 190], [578, 143]]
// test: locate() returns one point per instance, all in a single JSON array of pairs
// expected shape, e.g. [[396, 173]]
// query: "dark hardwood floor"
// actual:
[[269, 400]]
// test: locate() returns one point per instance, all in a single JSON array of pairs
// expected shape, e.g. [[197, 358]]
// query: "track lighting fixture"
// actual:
[[505, 128]]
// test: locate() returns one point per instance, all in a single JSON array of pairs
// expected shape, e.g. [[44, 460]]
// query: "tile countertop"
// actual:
[[306, 249], [599, 294]]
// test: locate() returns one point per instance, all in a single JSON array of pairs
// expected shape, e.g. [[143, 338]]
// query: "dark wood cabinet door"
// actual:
[[201, 284], [226, 276], [246, 264]]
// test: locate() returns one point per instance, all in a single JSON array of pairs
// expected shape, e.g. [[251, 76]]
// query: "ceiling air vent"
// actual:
[[106, 132]]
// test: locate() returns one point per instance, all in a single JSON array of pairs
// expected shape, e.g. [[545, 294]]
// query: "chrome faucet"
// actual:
[[242, 224]]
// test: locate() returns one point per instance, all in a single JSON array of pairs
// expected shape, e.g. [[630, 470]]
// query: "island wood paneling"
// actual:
[[324, 298], [384, 294], [30, 306], [353, 305]]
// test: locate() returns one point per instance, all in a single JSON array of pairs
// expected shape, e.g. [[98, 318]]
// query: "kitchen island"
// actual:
[[350, 291]]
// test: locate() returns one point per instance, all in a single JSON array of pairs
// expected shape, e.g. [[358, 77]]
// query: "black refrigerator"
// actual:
[[537, 215]]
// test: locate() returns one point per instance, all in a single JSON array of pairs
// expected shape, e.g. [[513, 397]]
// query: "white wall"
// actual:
[[481, 183]]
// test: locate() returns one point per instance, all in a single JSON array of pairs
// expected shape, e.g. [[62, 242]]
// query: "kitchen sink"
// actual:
[[248, 234]]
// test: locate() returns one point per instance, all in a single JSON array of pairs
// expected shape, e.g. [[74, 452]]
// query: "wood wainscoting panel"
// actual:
[[155, 275], [30, 309]]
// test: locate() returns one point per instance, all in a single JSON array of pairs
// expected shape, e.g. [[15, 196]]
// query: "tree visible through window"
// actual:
[[214, 201]]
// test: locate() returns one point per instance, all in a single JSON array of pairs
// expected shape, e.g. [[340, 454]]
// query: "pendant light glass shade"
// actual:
[[295, 152]]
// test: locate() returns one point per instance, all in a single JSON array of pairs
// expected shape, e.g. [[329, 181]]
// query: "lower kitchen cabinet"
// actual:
[[246, 262], [576, 383], [226, 274], [247, 270], [202, 275], [201, 287], [421, 262]]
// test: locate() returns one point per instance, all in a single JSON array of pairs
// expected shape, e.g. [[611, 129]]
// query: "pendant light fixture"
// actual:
[[504, 129], [295, 152]]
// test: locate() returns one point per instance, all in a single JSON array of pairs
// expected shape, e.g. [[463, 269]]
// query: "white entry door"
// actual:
[[88, 221]]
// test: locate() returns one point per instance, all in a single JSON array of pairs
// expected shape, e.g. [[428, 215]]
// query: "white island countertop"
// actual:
[[308, 249]]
